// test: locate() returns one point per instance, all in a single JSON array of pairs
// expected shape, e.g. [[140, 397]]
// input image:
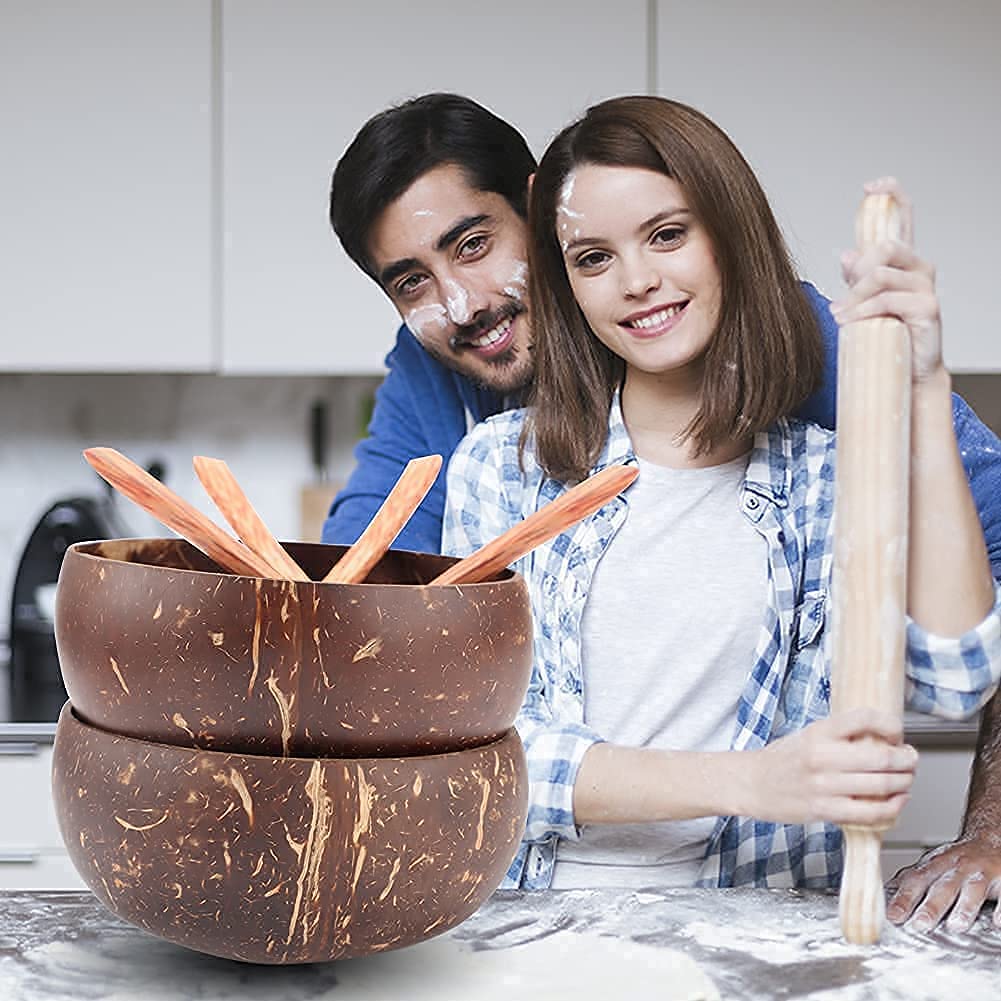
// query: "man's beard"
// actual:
[[506, 373]]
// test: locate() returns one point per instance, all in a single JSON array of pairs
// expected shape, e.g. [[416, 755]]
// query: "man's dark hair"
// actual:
[[399, 145]]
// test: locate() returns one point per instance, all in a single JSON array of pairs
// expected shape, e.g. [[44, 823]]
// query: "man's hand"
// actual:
[[961, 875]]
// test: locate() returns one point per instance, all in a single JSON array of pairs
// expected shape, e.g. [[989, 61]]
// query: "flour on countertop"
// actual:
[[565, 966]]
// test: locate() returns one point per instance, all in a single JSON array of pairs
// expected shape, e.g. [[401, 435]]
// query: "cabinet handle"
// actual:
[[14, 856]]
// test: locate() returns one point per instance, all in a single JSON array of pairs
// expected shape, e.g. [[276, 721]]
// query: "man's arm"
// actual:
[[965, 872], [417, 412]]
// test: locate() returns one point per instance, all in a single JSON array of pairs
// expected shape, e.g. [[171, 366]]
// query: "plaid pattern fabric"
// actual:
[[788, 496]]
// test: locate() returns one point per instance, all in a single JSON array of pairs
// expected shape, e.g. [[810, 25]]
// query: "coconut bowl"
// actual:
[[286, 860], [155, 641]]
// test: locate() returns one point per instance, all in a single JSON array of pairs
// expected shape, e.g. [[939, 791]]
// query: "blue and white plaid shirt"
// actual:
[[787, 495]]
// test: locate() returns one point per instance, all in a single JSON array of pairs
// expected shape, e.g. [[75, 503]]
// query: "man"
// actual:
[[430, 201]]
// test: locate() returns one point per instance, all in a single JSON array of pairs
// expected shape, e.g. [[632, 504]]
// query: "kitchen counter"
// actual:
[[26, 733], [755, 945], [920, 730], [925, 731]]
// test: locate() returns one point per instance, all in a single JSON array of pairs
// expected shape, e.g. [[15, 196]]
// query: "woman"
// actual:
[[674, 724]]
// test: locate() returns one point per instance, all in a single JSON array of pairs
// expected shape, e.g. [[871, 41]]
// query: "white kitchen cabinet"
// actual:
[[32, 854], [821, 97], [299, 80], [105, 186]]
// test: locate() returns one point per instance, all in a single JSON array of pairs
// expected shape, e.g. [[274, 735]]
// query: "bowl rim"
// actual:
[[69, 710], [506, 577]]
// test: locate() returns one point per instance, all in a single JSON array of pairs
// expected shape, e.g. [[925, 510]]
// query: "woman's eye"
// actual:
[[591, 260], [473, 247], [669, 235]]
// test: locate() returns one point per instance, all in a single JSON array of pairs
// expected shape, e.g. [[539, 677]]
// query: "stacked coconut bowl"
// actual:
[[286, 771]]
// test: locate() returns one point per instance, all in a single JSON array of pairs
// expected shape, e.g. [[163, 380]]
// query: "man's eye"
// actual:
[[409, 285], [473, 247], [669, 235]]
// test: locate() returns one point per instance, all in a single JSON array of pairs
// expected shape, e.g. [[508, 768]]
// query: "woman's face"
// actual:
[[640, 265]]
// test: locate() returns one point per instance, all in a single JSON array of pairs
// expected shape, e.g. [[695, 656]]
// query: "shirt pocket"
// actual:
[[806, 691], [810, 617]]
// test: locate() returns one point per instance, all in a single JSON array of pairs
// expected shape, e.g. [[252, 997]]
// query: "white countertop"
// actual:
[[755, 945]]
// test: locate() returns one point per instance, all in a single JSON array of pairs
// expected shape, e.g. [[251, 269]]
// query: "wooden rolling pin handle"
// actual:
[[861, 902], [870, 558], [878, 219]]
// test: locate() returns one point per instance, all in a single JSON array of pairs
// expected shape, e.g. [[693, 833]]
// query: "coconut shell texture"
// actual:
[[156, 642], [287, 860]]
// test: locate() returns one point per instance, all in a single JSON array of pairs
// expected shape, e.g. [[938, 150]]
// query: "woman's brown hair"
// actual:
[[766, 355]]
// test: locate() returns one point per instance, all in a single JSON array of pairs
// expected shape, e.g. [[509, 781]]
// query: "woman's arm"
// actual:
[[950, 588], [949, 582], [954, 636], [823, 772]]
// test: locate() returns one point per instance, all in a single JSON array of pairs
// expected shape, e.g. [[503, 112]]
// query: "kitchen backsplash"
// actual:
[[258, 425]]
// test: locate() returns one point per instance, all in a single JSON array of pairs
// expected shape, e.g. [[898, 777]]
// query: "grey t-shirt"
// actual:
[[669, 631]]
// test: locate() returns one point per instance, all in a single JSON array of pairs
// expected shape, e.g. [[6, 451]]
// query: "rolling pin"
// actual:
[[869, 584]]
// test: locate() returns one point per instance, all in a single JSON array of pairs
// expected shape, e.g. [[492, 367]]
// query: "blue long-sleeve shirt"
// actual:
[[423, 408]]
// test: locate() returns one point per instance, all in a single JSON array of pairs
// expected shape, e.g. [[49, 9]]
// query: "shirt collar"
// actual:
[[769, 469], [618, 447]]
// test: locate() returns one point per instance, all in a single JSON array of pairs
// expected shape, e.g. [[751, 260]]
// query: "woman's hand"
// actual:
[[889, 279], [833, 770]]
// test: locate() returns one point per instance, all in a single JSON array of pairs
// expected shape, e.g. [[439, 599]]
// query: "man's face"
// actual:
[[452, 259]]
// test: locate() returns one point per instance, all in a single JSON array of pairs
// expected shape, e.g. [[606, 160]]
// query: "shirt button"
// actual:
[[752, 503]]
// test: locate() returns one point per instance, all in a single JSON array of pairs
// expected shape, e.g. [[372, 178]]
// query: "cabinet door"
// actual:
[[32, 854], [105, 185], [821, 97], [299, 80]]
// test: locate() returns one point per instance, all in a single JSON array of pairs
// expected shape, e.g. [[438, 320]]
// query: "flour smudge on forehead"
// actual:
[[566, 216]]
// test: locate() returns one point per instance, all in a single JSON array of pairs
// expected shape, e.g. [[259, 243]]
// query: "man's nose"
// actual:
[[639, 277], [463, 301]]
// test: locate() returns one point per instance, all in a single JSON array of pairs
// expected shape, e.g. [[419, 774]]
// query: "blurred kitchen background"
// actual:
[[169, 284]]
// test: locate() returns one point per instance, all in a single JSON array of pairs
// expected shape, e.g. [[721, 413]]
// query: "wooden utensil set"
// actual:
[[257, 553]]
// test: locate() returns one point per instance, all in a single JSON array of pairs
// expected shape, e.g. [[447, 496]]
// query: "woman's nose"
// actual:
[[639, 279]]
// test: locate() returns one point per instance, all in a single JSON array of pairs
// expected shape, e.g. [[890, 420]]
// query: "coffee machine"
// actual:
[[36, 688]]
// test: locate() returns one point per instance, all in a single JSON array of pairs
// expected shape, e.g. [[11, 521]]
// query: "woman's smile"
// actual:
[[656, 321]]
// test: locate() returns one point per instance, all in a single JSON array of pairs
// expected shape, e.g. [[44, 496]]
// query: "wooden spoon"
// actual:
[[176, 513], [405, 497], [575, 505], [221, 485]]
